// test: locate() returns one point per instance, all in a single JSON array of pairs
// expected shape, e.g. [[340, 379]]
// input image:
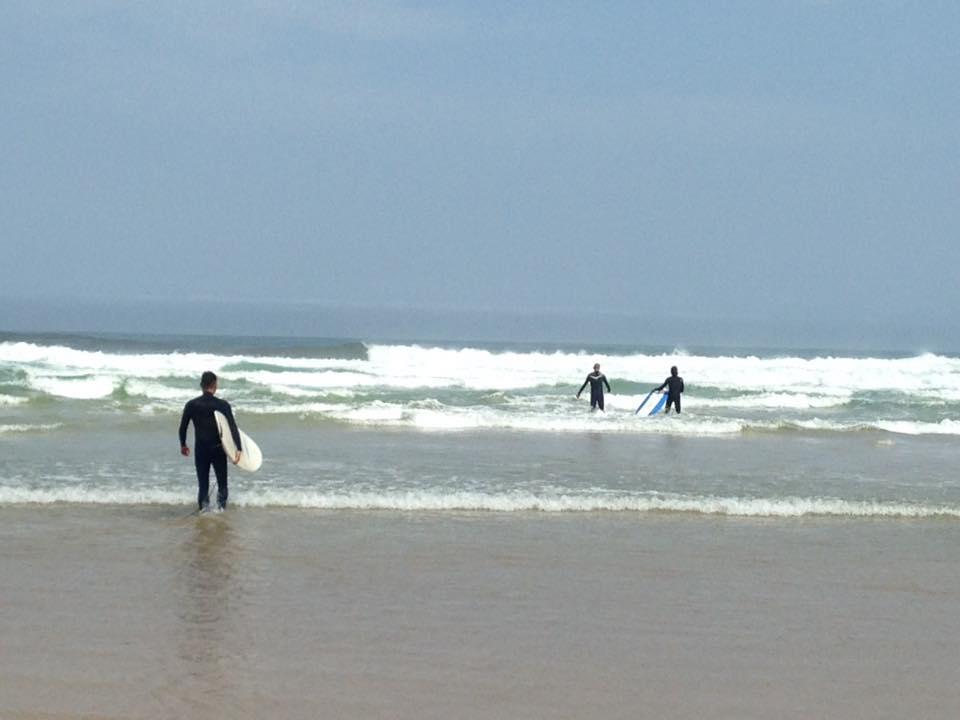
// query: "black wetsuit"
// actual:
[[674, 385], [597, 380], [207, 449]]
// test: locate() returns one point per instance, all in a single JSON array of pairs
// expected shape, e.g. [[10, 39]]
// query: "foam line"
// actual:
[[436, 501]]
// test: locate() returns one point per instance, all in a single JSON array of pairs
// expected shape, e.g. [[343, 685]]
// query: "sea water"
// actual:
[[361, 425]]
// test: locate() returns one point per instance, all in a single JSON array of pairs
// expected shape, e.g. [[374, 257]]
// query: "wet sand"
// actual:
[[111, 612]]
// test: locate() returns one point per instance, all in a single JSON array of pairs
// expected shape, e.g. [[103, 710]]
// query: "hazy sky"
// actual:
[[776, 161]]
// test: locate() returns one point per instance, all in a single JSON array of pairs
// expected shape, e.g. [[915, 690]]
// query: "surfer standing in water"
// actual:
[[207, 448], [597, 380], [674, 385]]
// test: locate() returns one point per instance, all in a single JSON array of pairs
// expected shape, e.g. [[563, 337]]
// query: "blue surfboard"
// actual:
[[644, 401], [659, 406], [656, 408]]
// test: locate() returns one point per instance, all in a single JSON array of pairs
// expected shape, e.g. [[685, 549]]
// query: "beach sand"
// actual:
[[113, 612]]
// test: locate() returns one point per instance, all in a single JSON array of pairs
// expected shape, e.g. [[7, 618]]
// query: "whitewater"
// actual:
[[457, 427], [455, 388]]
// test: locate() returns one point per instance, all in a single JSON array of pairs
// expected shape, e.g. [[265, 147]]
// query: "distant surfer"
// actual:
[[596, 380], [207, 448], [674, 385]]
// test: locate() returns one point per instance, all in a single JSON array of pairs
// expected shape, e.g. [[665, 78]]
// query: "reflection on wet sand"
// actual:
[[207, 594]]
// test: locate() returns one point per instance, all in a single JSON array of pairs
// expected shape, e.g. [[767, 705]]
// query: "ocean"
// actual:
[[442, 530], [402, 426]]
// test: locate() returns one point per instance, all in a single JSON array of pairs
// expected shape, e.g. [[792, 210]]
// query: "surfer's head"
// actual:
[[673, 371], [596, 367], [208, 381]]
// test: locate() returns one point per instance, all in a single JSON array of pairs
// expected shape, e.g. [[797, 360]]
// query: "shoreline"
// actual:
[[503, 471]]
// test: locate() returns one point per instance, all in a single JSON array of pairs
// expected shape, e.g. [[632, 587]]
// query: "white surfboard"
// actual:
[[251, 458]]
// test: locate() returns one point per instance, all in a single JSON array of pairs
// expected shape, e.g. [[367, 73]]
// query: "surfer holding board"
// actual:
[[674, 385], [208, 448]]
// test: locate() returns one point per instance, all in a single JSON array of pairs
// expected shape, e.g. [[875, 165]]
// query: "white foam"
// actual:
[[296, 392], [771, 401], [89, 496], [26, 428], [80, 388], [787, 381], [525, 390], [440, 501], [944, 427], [823, 376], [158, 391], [437, 417], [303, 409], [319, 379], [521, 501], [904, 427]]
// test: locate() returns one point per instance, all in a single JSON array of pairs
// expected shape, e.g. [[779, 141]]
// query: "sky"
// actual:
[[787, 169]]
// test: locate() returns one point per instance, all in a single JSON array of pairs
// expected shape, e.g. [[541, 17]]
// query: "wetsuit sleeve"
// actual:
[[605, 382], [583, 386], [681, 384], [184, 421], [234, 430], [662, 386]]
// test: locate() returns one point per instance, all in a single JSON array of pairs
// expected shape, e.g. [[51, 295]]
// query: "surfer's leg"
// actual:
[[220, 468], [202, 460], [600, 402]]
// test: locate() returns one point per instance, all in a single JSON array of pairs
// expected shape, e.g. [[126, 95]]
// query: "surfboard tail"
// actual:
[[250, 458], [649, 394], [659, 406]]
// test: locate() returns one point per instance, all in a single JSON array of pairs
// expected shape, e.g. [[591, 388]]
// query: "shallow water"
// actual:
[[337, 467]]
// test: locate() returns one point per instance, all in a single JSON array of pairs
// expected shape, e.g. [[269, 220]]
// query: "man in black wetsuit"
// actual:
[[207, 448], [674, 385], [597, 380]]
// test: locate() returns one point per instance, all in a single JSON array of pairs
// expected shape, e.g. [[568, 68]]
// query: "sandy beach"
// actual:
[[113, 612]]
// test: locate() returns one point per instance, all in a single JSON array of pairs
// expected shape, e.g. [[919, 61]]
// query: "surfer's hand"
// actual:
[[237, 458], [185, 451]]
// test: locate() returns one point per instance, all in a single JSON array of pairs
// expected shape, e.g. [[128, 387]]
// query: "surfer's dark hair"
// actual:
[[207, 379]]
